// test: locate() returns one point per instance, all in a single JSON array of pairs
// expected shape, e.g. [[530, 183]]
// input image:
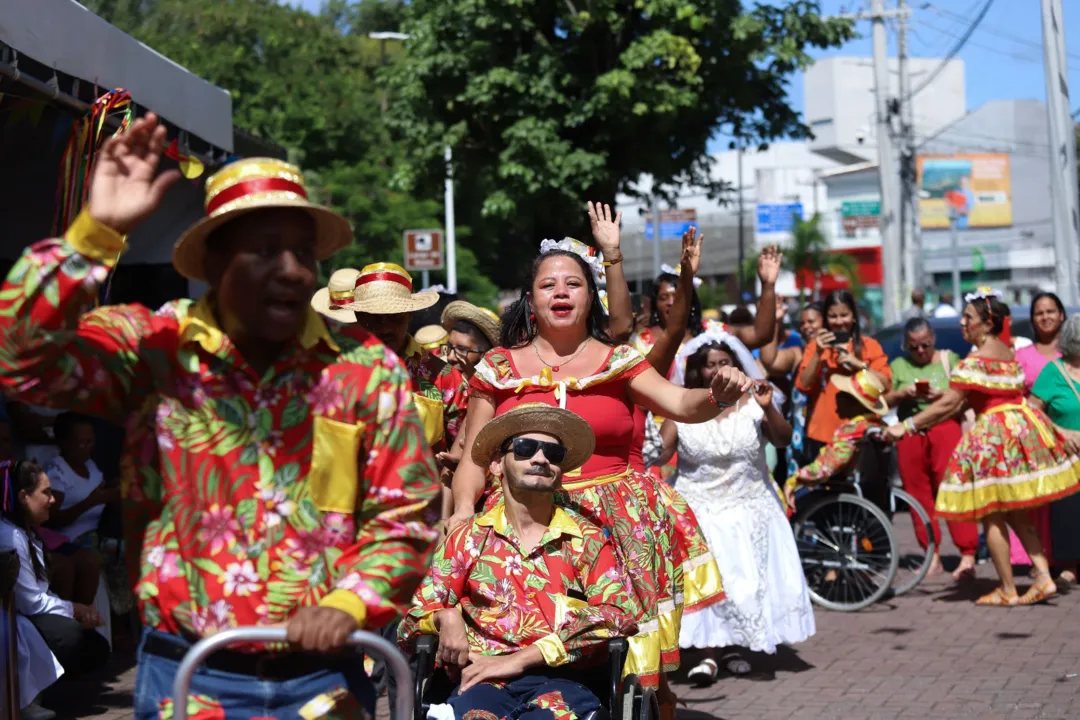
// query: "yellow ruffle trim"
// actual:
[[976, 499]]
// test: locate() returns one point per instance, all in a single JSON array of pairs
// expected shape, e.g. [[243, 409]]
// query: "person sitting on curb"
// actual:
[[526, 595]]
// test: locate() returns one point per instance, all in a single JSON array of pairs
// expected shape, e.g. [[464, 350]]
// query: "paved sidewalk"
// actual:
[[930, 654]]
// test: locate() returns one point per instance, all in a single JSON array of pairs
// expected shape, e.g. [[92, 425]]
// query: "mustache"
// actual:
[[541, 471]]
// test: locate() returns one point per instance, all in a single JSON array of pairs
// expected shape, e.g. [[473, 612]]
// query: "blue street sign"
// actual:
[[777, 217], [669, 230]]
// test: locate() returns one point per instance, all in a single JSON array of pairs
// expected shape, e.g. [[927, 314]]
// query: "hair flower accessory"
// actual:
[[677, 270], [592, 257], [983, 293]]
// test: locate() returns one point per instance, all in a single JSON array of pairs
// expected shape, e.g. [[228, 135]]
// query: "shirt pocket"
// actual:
[[430, 411], [334, 477]]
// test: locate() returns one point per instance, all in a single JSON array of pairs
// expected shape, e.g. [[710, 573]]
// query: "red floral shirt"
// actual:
[[258, 495], [840, 454], [567, 595]]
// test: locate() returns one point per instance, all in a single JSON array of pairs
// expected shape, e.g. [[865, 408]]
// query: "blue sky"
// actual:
[[1002, 60]]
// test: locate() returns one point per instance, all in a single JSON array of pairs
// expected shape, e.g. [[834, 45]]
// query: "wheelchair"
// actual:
[[620, 698], [845, 536]]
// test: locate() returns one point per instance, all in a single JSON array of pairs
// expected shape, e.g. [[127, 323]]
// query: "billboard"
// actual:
[[972, 189]]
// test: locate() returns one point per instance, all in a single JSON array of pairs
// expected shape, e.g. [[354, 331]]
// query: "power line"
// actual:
[[953, 51], [990, 29]]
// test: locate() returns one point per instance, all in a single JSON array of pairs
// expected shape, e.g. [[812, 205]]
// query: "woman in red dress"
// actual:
[[556, 352]]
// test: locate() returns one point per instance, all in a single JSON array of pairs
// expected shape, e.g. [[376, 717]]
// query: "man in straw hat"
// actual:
[[525, 596], [861, 405], [473, 331], [278, 479], [383, 301]]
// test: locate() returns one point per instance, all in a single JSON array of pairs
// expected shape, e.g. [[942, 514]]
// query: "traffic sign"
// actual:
[[423, 249], [777, 217], [673, 223]]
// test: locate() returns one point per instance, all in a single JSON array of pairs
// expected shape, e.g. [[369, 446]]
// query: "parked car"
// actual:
[[949, 337]]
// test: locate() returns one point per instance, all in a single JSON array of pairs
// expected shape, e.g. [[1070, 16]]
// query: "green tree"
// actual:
[[809, 252], [547, 103], [306, 82]]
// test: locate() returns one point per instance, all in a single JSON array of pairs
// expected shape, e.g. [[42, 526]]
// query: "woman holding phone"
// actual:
[[920, 378], [839, 347]]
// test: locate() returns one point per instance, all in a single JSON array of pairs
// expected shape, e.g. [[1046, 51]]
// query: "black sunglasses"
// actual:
[[462, 351], [525, 448]]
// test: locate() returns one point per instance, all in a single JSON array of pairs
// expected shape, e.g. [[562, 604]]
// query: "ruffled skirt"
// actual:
[[1011, 459]]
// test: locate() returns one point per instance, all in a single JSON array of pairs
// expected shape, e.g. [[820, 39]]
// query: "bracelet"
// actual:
[[609, 263], [714, 401], [909, 425]]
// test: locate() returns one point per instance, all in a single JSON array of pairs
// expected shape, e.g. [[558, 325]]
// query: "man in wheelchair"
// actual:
[[861, 405], [525, 597]]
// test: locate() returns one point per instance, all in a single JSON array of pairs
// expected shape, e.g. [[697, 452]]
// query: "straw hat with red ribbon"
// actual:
[[865, 387], [249, 185], [485, 321], [332, 299], [387, 289]]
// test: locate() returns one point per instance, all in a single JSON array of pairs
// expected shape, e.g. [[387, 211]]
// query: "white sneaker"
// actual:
[[33, 711], [704, 673]]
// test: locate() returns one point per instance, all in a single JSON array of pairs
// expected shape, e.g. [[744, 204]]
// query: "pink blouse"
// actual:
[[1032, 362]]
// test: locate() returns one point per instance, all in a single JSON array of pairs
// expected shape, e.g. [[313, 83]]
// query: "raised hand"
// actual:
[[763, 393], [781, 308], [768, 265], [691, 250], [605, 229], [125, 187], [729, 384]]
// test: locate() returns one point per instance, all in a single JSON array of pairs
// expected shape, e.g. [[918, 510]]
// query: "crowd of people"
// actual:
[[525, 487]]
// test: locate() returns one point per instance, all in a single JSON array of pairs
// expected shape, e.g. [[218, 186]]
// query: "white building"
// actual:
[[840, 109]]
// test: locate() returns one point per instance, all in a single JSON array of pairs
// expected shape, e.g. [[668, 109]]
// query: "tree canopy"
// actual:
[[548, 103], [306, 82]]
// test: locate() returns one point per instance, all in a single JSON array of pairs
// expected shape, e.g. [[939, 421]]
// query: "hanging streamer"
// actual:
[[80, 152]]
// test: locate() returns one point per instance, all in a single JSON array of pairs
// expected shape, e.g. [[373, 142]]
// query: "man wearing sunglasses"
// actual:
[[525, 597]]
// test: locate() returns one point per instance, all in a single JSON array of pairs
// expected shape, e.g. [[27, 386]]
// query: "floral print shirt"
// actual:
[[840, 454], [567, 596], [258, 496]]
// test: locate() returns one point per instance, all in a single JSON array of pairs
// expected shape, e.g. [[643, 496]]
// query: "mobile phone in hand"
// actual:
[[922, 388], [841, 337]]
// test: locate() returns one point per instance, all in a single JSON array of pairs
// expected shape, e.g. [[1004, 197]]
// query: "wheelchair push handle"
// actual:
[[369, 642]]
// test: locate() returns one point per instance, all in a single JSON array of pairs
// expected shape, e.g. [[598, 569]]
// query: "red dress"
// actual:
[[656, 535]]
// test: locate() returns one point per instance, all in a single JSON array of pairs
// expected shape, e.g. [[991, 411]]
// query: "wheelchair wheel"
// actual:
[[648, 706], [914, 565], [848, 552]]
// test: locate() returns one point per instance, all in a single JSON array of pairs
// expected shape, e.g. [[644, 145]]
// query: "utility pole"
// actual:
[[742, 223], [1063, 188], [887, 171], [655, 233], [908, 217]]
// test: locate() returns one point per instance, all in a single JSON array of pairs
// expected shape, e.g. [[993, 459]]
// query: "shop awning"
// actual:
[[64, 36]]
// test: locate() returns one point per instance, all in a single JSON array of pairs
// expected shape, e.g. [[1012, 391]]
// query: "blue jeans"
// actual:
[[342, 692], [531, 697]]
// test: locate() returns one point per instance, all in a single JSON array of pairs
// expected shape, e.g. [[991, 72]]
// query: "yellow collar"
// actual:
[[412, 348], [561, 523], [200, 326]]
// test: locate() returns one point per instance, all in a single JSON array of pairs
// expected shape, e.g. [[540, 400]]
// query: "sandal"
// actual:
[[998, 598], [736, 664], [1037, 593], [704, 673]]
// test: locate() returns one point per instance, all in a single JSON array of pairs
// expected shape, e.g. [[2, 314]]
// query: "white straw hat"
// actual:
[[332, 299]]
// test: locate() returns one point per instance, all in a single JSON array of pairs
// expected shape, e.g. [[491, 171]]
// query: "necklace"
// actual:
[[555, 368]]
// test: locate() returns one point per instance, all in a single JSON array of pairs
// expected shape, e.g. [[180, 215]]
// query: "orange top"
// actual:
[[821, 393]]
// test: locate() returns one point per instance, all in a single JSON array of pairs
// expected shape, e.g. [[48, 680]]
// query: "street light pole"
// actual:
[[742, 224], [451, 239]]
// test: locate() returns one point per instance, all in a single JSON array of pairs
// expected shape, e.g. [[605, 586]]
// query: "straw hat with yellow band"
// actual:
[[485, 321], [246, 186], [431, 337], [332, 299], [570, 429], [387, 289], [865, 387]]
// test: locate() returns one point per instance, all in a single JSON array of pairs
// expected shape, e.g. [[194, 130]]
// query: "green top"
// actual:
[[905, 373], [1053, 388]]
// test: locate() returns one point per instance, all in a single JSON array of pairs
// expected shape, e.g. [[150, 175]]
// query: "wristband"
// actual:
[[713, 400], [909, 425], [609, 263]]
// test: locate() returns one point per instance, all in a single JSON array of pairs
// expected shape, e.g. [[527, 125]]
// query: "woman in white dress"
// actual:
[[724, 477]]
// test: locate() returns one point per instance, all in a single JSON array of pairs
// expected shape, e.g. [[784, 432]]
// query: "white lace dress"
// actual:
[[724, 478]]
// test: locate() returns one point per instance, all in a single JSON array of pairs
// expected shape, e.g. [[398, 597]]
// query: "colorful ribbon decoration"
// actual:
[[79, 154], [191, 167]]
